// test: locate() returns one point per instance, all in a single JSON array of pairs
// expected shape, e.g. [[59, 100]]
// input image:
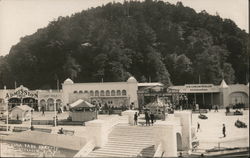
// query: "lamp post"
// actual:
[[7, 117], [55, 113], [31, 112]]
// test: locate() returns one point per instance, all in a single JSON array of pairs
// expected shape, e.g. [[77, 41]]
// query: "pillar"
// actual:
[[186, 123], [130, 115], [98, 131], [165, 134]]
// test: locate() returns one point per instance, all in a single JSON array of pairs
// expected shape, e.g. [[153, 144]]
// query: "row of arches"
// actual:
[[49, 103], [103, 93]]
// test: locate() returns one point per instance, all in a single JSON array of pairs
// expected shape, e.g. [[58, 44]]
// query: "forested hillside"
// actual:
[[149, 40]]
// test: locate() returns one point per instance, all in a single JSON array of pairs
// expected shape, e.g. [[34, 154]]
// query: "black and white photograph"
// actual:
[[124, 78]]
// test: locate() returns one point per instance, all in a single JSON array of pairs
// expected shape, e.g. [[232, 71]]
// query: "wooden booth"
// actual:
[[21, 112], [82, 110]]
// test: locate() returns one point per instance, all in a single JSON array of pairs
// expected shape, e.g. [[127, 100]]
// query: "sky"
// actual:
[[19, 18]]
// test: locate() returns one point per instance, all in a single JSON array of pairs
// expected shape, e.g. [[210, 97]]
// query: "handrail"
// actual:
[[162, 154], [159, 152]]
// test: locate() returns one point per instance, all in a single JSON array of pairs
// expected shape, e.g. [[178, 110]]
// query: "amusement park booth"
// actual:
[[157, 107], [82, 110], [21, 112]]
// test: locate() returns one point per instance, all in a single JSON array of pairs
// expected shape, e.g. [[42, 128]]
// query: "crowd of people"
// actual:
[[149, 118]]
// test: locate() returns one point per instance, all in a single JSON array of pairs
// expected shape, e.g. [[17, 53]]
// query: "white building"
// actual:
[[111, 93]]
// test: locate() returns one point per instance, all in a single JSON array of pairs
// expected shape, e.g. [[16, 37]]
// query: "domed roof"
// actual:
[[132, 80], [223, 84], [68, 81]]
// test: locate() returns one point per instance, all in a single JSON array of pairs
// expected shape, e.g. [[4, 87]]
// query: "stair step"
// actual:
[[130, 140], [125, 146], [106, 155], [116, 153]]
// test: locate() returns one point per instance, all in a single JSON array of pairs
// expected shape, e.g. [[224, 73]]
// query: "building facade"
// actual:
[[114, 94], [222, 95], [119, 94]]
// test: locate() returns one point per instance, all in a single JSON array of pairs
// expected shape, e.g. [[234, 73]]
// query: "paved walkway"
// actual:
[[211, 130]]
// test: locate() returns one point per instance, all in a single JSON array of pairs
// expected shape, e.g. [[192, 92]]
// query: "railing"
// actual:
[[88, 147], [159, 152]]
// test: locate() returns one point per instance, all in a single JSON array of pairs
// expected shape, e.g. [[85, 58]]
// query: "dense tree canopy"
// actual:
[[167, 43]]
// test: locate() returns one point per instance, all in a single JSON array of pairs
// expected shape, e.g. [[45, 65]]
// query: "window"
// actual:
[[91, 93], [102, 93], [80, 92], [86, 92], [75, 92], [107, 93], [124, 92], [113, 93], [118, 92], [96, 93]]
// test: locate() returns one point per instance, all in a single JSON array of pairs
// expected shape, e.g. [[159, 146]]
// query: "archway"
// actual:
[[31, 102], [179, 142], [42, 104], [58, 103], [50, 104], [238, 98], [14, 102]]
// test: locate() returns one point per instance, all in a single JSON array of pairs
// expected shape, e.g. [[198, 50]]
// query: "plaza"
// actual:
[[209, 136]]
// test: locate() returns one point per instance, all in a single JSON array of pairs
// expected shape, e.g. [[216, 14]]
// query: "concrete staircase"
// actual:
[[127, 141]]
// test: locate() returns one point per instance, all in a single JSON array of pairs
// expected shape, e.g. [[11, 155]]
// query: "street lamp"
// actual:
[[7, 117], [55, 113]]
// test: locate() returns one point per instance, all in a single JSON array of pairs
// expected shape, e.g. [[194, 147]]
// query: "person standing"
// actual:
[[152, 117], [198, 126], [135, 118], [216, 108], [43, 111], [224, 130], [147, 118]]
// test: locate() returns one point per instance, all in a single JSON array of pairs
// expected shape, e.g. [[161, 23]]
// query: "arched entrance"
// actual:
[[31, 102], [14, 102], [43, 104], [179, 142], [50, 104], [58, 103], [238, 98]]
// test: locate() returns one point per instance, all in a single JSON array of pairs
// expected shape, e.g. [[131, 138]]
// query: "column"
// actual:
[[165, 134], [195, 99], [98, 131], [212, 99], [186, 124], [55, 112], [203, 100]]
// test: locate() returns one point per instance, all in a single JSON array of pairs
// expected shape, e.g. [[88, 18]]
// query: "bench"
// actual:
[[68, 132], [4, 128], [20, 129], [142, 123], [43, 130]]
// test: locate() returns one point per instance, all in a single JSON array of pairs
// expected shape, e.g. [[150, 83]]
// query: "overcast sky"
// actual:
[[23, 17]]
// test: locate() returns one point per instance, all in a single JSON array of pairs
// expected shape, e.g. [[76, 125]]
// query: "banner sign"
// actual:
[[199, 88], [22, 92]]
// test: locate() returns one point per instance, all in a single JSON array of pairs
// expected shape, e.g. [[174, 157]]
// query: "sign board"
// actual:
[[198, 88], [22, 92]]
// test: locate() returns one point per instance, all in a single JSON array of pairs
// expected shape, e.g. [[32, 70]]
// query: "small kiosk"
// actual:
[[82, 110], [21, 112], [157, 107]]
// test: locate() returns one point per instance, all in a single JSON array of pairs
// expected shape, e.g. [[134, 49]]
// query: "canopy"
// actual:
[[157, 103], [81, 104], [23, 107]]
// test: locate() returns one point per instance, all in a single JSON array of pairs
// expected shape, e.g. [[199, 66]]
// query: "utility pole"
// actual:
[[57, 83]]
